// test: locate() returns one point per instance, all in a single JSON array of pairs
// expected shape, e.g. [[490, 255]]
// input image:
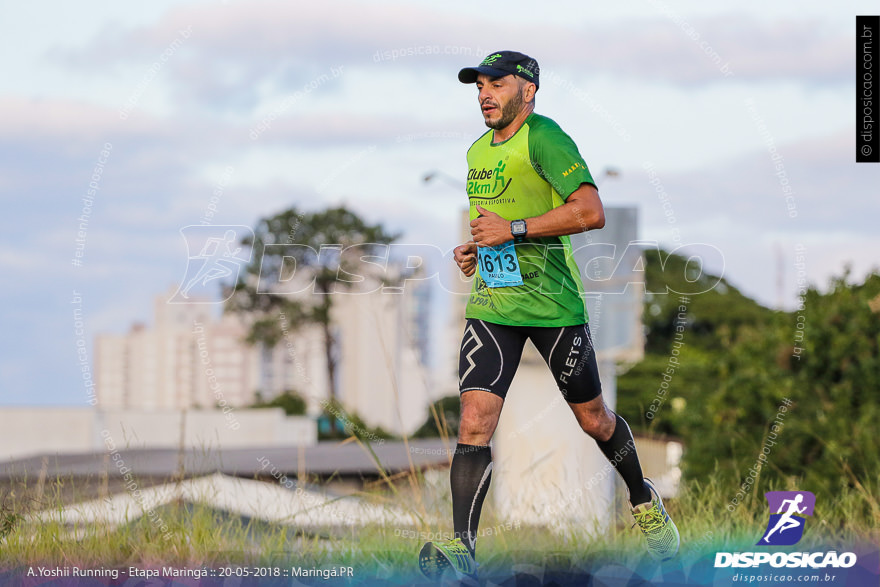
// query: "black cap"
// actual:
[[501, 63]]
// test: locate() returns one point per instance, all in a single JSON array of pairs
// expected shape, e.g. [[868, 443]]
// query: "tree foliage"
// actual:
[[304, 249], [738, 364], [712, 315], [288, 246], [291, 402], [341, 424], [442, 419]]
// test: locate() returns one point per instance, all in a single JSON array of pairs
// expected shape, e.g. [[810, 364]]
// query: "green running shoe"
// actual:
[[436, 557], [658, 528]]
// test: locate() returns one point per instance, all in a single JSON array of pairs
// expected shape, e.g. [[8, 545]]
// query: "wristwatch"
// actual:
[[518, 229]]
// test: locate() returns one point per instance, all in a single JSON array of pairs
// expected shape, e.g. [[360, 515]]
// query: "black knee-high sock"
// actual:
[[469, 476], [620, 449]]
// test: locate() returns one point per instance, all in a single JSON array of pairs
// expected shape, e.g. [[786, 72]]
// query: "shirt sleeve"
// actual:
[[556, 158]]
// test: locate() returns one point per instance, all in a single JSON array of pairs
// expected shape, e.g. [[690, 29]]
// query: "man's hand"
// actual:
[[490, 229], [466, 258]]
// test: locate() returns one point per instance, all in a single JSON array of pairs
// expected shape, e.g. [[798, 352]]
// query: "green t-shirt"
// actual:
[[527, 175]]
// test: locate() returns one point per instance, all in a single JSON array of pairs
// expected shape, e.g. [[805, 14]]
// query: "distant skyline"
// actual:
[[731, 125]]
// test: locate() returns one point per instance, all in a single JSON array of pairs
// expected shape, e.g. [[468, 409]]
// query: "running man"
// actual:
[[786, 521], [528, 286]]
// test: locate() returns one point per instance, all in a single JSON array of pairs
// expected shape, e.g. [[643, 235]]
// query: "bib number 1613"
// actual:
[[499, 265]]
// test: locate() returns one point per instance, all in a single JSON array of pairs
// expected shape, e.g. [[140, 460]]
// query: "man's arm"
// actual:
[[581, 211]]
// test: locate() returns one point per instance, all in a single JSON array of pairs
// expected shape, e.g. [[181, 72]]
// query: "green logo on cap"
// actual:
[[521, 69], [491, 59]]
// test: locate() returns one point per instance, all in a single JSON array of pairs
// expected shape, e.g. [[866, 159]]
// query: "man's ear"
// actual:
[[529, 91]]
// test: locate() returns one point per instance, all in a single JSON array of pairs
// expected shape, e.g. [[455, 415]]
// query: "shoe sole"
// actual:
[[677, 534], [432, 561]]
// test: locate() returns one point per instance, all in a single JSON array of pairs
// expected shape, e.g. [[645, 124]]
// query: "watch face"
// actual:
[[518, 227]]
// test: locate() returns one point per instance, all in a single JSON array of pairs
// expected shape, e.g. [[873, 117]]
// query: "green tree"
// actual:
[[352, 425], [442, 419], [836, 383], [661, 393], [716, 313], [291, 402], [320, 253], [730, 418], [822, 362], [737, 361]]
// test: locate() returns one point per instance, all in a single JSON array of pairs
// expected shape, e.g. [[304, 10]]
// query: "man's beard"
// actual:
[[508, 112]]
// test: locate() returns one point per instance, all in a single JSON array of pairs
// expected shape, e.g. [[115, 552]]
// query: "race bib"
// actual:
[[499, 266]]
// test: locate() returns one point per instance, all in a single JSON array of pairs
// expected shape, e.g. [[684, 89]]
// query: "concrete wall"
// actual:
[[546, 469], [32, 431]]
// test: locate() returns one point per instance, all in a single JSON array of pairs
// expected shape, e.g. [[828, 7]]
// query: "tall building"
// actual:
[[382, 377], [188, 359], [191, 359]]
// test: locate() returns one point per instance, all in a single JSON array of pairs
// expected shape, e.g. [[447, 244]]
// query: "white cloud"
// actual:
[[237, 53]]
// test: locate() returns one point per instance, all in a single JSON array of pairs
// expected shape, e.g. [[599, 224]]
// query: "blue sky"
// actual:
[[353, 102]]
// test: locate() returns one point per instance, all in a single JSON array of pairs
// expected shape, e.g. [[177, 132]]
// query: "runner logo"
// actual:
[[213, 258], [787, 517], [493, 179], [786, 527]]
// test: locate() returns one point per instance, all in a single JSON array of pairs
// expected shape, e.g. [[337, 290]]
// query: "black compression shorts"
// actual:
[[490, 355]]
